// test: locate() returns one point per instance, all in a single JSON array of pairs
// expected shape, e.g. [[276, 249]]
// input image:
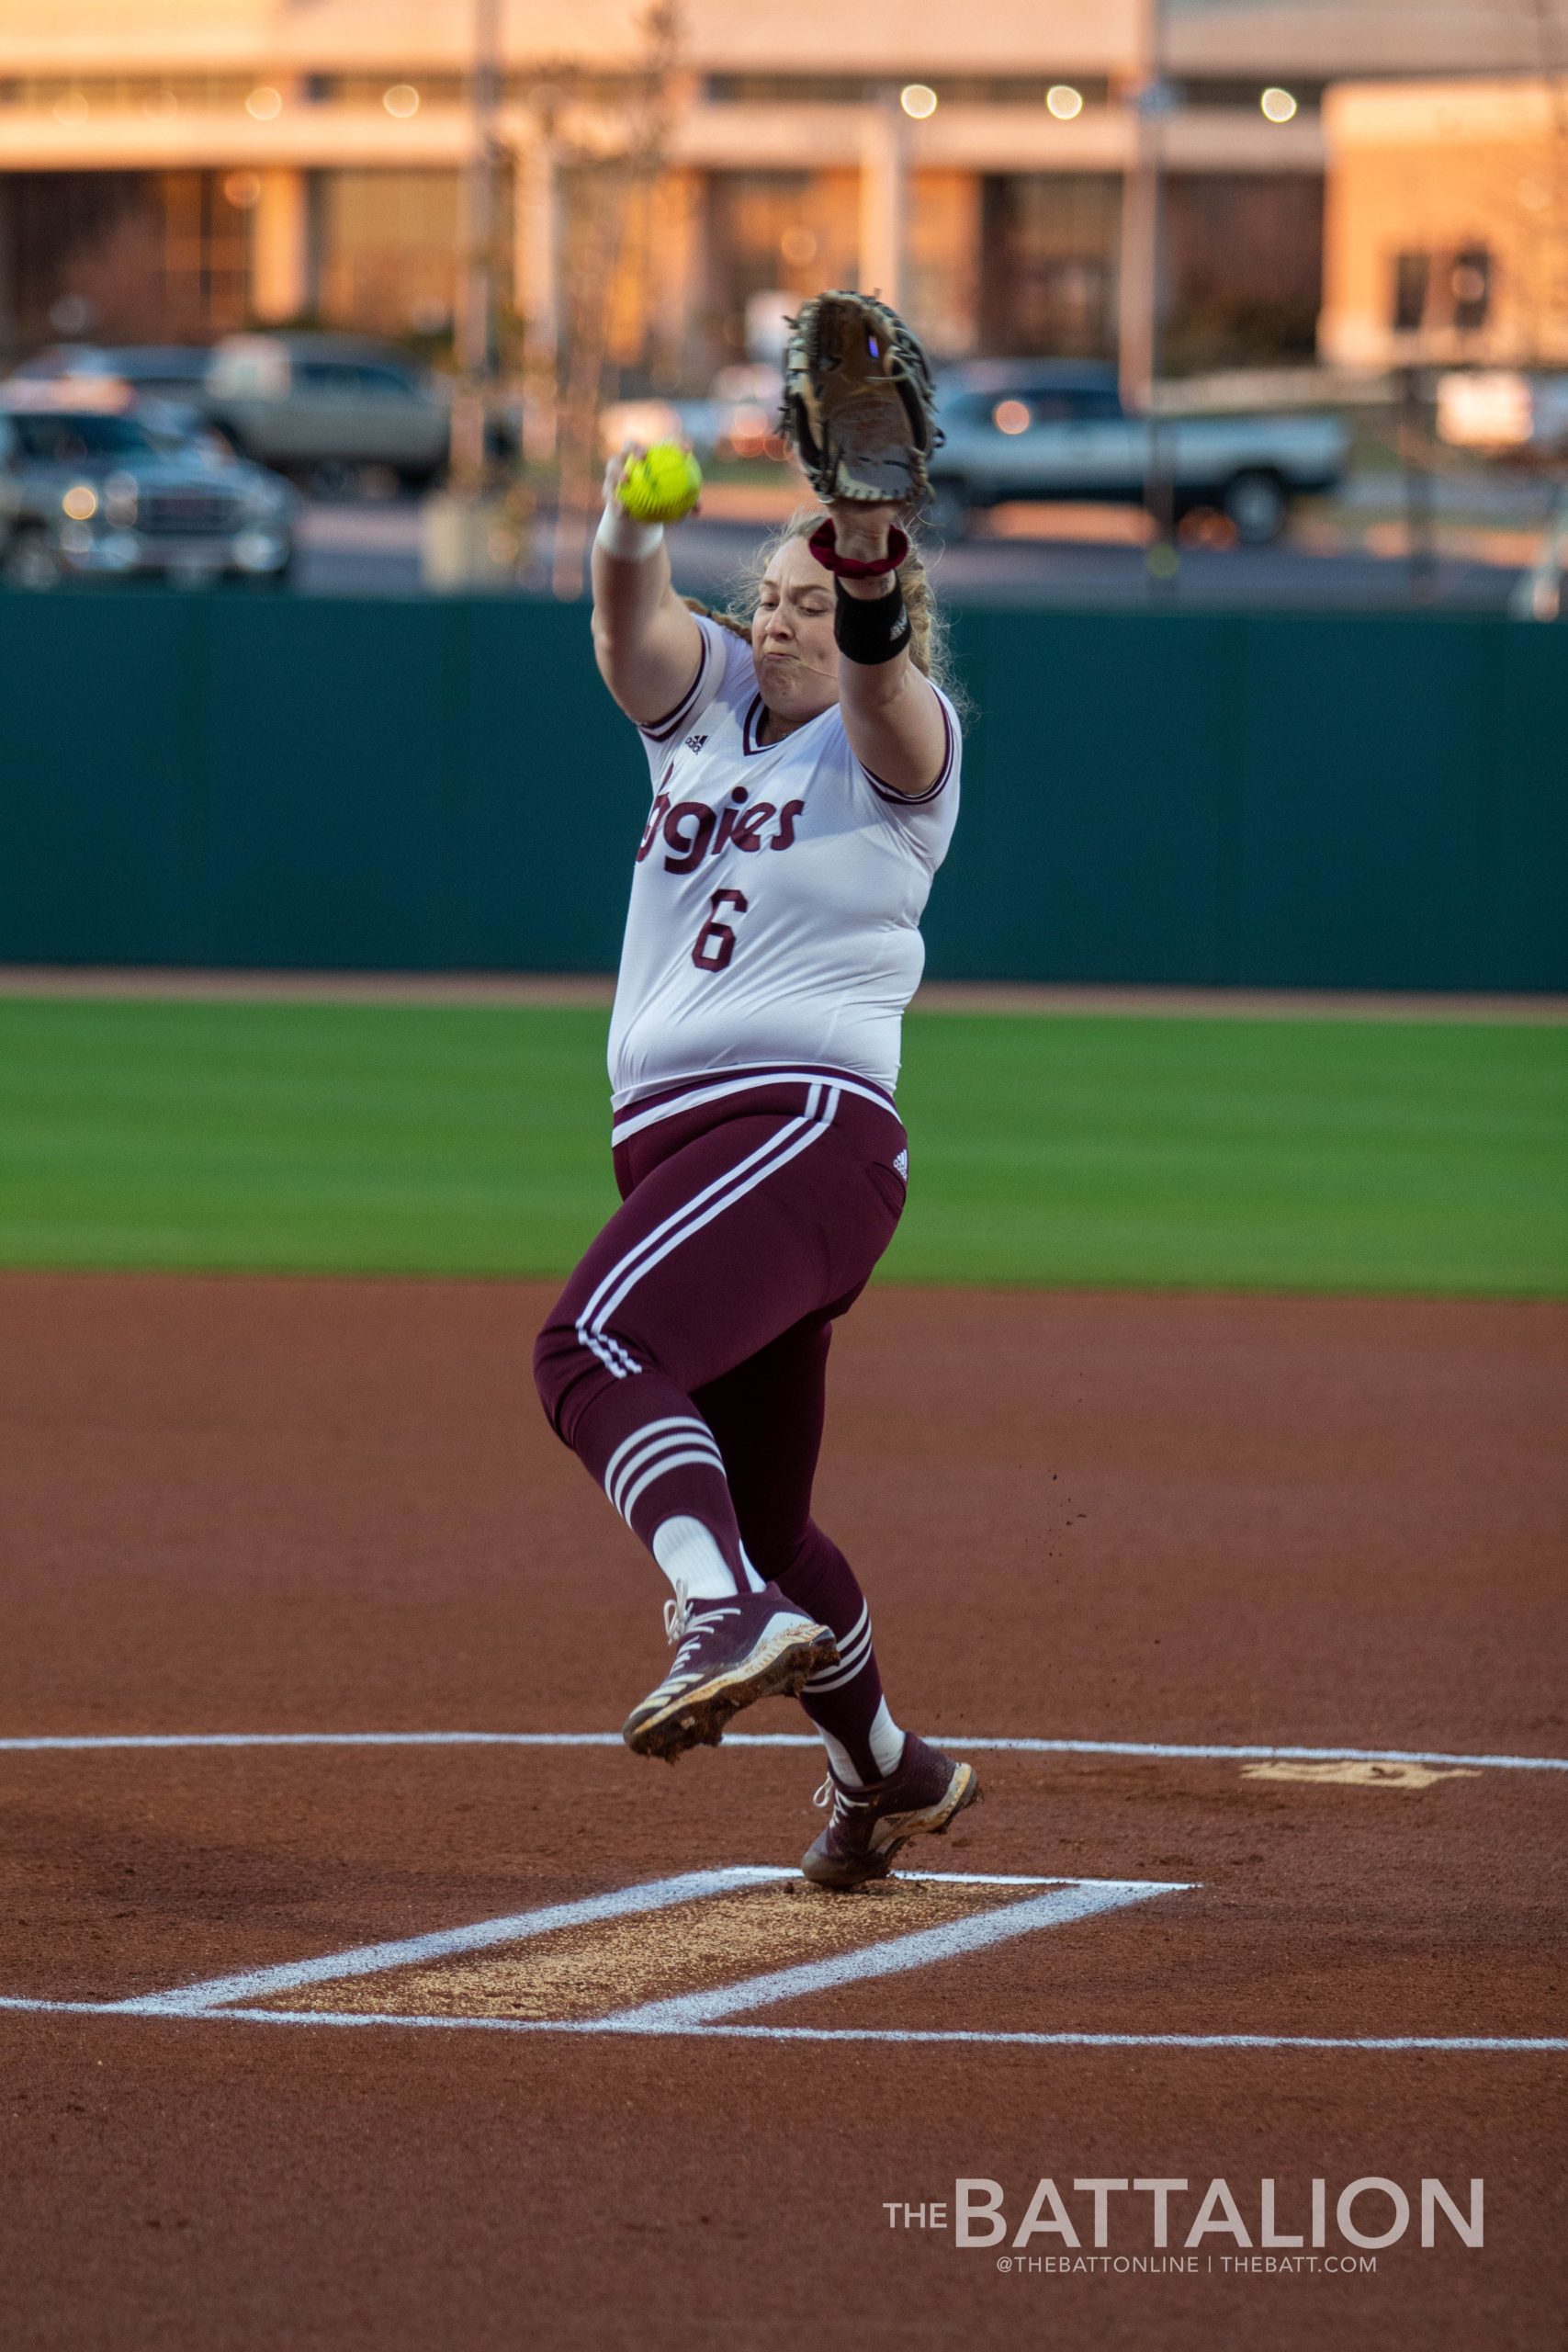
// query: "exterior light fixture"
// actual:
[[917, 102], [1278, 105], [401, 101], [264, 105], [1064, 101]]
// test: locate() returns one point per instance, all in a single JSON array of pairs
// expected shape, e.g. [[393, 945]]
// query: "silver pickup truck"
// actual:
[[88, 493], [1056, 430], [325, 406]]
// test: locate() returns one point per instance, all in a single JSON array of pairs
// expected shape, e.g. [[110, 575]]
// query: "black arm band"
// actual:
[[870, 628]]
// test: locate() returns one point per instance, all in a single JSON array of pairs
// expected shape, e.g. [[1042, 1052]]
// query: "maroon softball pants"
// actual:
[[686, 1361]]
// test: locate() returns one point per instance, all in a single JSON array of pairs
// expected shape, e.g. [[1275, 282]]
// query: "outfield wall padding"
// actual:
[[1266, 799]]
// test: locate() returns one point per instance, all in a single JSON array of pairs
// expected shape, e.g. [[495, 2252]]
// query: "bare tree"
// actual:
[[1538, 595], [611, 160]]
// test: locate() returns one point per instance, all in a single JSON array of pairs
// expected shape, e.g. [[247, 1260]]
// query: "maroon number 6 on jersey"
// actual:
[[715, 944]]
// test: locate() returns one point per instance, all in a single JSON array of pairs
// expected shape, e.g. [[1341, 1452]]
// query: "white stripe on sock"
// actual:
[[853, 1655], [758, 1583], [709, 1457], [833, 1678], [886, 1741], [660, 1437], [858, 1634], [839, 1761], [687, 1423]]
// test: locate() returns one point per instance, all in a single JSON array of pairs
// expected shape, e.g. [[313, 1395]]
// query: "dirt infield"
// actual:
[[619, 2072]]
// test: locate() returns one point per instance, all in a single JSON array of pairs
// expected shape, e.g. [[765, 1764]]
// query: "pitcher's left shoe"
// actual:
[[729, 1652], [867, 1826]]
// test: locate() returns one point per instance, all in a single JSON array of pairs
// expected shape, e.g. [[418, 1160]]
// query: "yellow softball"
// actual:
[[662, 486]]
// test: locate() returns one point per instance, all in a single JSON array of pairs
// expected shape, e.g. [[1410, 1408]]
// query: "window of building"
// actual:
[[1244, 268], [1412, 285], [124, 256], [1048, 264], [387, 247], [785, 233], [1442, 291], [1469, 287]]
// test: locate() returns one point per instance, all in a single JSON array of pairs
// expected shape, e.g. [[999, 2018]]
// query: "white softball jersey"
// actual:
[[777, 895]]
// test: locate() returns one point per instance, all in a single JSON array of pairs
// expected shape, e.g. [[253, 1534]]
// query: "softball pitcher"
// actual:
[[806, 777]]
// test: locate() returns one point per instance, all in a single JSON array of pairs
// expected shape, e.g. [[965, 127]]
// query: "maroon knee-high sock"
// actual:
[[656, 1458], [845, 1701]]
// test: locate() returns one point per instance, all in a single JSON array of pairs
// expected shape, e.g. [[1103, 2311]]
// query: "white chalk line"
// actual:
[[1069, 1899], [1075, 1899], [1176, 1750], [711, 2014], [407, 1952], [1460, 2043]]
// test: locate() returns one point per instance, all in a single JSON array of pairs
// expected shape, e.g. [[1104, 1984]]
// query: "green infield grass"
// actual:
[[1215, 1154]]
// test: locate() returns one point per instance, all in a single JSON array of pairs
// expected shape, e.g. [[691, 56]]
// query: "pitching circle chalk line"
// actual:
[[1175, 1750]]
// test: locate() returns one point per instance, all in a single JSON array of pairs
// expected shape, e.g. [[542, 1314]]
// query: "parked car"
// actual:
[[1056, 430], [323, 406], [172, 370], [92, 492], [163, 385], [182, 425]]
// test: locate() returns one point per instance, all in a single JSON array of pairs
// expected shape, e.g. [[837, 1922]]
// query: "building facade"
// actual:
[[195, 165], [1447, 223]]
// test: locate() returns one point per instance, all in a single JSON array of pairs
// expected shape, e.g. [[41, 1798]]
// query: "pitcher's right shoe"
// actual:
[[729, 1652], [867, 1826]]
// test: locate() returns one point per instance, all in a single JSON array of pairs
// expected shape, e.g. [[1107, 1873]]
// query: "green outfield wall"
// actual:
[[1270, 799]]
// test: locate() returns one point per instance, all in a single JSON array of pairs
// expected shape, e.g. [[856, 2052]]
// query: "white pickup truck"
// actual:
[[1056, 430]]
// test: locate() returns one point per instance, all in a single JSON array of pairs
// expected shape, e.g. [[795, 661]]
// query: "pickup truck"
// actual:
[[88, 492], [1056, 430], [324, 406]]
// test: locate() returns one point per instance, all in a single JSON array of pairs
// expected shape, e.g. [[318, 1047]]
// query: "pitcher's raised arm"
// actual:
[[646, 643]]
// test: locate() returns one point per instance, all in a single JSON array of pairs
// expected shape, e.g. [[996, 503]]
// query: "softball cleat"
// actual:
[[728, 1654], [867, 1826]]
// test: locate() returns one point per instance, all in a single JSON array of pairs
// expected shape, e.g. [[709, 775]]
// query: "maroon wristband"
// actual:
[[823, 544]]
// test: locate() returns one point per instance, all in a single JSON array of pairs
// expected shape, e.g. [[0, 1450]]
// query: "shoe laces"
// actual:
[[684, 1625], [831, 1793]]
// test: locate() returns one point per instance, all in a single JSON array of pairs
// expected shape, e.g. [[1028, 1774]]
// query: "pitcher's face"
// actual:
[[792, 636]]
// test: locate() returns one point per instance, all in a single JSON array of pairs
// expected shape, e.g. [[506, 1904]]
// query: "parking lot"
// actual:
[[373, 549]]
